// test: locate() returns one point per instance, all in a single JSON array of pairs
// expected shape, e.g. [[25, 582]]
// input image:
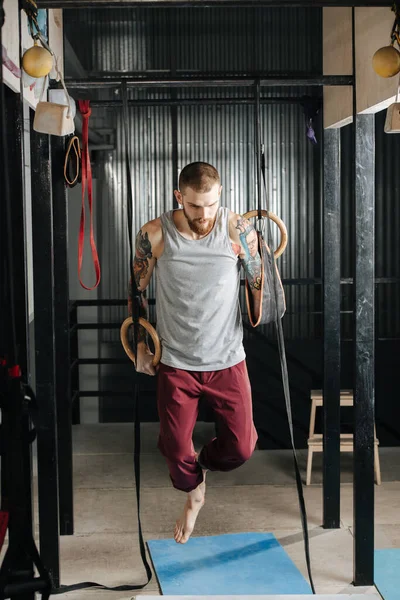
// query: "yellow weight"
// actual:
[[37, 61], [386, 61]]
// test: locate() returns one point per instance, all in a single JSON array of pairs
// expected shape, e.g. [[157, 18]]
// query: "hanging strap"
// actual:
[[72, 162], [258, 149], [135, 316], [136, 299], [86, 169], [285, 380]]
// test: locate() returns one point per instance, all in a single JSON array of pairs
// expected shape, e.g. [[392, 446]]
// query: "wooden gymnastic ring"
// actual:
[[282, 228], [150, 330]]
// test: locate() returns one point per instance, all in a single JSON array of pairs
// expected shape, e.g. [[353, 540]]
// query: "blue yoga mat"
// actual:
[[387, 573], [244, 563]]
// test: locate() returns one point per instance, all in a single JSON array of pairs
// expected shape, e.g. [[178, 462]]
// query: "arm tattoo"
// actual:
[[140, 270], [143, 311], [142, 255], [251, 261]]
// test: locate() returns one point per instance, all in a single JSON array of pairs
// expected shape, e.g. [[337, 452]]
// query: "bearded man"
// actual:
[[196, 253]]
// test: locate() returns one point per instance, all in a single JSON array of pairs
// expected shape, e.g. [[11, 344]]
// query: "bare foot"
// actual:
[[185, 524]]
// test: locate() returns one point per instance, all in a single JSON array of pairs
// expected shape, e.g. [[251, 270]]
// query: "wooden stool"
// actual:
[[315, 440]]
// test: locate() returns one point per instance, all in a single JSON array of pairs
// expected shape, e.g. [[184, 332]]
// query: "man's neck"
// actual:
[[183, 227]]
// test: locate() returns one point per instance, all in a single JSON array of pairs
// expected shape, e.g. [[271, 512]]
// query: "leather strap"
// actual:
[[84, 107], [72, 162]]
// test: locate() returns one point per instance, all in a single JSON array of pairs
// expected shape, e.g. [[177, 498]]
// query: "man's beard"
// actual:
[[199, 226]]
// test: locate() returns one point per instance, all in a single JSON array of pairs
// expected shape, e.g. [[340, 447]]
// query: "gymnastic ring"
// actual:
[[282, 228], [150, 330]]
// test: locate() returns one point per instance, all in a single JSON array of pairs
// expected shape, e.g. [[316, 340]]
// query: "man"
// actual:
[[197, 252]]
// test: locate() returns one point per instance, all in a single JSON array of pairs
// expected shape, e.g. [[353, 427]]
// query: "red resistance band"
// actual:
[[13, 372], [3, 526], [86, 170]]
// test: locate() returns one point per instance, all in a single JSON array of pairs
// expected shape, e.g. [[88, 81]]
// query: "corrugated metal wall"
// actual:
[[198, 41], [204, 40]]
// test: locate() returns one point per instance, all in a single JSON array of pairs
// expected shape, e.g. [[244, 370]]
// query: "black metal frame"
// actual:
[[62, 337], [52, 315], [14, 116], [364, 349], [364, 338], [206, 3], [332, 294], [175, 102], [211, 80], [45, 357]]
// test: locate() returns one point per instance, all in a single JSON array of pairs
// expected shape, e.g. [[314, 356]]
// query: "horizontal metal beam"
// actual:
[[194, 102], [217, 81], [206, 3], [98, 147]]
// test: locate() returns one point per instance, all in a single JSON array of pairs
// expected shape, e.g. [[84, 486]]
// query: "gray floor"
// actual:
[[260, 496]]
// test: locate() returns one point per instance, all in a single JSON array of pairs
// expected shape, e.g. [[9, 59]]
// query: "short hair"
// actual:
[[199, 176]]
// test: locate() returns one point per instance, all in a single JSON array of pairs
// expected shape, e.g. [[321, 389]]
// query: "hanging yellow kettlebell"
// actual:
[[37, 61], [386, 61]]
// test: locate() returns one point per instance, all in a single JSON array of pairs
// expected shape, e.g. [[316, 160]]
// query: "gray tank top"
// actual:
[[198, 313]]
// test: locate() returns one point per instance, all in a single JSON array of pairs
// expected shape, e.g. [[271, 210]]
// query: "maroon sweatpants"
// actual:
[[228, 393]]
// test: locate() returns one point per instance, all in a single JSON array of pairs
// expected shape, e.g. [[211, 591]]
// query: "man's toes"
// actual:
[[178, 533]]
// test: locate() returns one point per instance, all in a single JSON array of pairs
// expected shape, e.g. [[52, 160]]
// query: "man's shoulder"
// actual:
[[234, 220], [152, 227], [154, 232]]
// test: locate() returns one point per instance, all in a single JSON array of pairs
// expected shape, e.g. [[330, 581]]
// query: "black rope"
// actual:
[[257, 109], [395, 33], [286, 390], [31, 9], [136, 298], [281, 343]]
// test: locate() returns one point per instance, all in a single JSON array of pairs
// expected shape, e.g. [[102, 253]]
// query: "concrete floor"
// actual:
[[260, 496]]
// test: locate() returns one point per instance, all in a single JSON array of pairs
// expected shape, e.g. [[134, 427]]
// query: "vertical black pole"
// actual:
[[43, 267], [364, 382], [61, 328], [331, 291], [173, 28], [174, 128], [74, 365], [257, 137], [14, 121]]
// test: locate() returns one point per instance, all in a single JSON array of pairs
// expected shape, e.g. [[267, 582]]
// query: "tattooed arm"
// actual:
[[147, 250], [245, 245]]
